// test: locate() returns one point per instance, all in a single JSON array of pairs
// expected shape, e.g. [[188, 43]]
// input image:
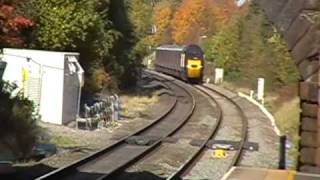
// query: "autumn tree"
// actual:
[[189, 22], [223, 11], [13, 27], [162, 18]]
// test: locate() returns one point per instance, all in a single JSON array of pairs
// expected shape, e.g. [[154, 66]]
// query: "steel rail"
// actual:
[[244, 131], [88, 158], [198, 154], [158, 143], [64, 171]]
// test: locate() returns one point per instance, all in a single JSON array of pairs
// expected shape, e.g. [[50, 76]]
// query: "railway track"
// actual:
[[121, 154], [229, 129], [150, 142], [154, 162], [218, 131], [200, 126]]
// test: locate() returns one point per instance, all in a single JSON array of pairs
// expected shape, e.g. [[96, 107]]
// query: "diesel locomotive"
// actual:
[[183, 62]]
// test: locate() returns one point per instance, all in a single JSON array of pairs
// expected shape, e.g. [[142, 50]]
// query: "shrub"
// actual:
[[18, 130]]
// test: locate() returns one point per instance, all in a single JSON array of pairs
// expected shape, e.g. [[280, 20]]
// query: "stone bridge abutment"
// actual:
[[299, 23]]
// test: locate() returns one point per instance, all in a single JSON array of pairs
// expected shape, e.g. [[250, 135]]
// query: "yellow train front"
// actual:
[[184, 62]]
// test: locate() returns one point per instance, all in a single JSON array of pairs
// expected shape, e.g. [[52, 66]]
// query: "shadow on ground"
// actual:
[[33, 172], [27, 172]]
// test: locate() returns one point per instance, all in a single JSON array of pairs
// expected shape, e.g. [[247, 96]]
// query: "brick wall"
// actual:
[[299, 23]]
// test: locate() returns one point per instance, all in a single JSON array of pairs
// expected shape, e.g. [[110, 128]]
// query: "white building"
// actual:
[[52, 80]]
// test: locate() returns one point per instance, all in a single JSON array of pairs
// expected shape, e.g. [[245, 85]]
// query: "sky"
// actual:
[[240, 2]]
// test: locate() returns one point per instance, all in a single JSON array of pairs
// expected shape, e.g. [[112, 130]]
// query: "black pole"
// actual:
[[282, 161], [2, 68]]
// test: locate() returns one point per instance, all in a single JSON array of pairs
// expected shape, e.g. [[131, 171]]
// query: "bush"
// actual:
[[18, 130]]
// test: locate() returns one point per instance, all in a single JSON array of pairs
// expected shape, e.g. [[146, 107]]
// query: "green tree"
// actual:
[[223, 49], [75, 25], [248, 47], [140, 16], [111, 36], [132, 18], [285, 73]]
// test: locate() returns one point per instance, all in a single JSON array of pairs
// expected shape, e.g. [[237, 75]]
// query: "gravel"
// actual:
[[261, 131], [199, 127], [230, 129]]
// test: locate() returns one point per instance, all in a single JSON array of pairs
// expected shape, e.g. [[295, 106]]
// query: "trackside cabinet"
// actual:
[[52, 80]]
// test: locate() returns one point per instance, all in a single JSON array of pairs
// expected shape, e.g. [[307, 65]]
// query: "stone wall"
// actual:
[[299, 23]]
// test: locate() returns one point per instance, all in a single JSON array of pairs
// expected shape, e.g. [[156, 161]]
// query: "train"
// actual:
[[183, 62]]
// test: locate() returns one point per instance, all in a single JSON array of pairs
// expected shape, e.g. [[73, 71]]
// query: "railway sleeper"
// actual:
[[164, 91], [211, 144], [142, 140], [153, 86], [149, 140], [226, 145]]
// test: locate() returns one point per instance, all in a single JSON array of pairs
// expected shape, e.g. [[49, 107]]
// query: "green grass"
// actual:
[[63, 141], [287, 119]]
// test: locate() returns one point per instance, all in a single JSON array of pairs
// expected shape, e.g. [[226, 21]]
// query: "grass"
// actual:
[[62, 141], [138, 103], [287, 119]]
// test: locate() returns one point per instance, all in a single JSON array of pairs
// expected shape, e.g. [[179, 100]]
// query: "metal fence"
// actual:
[[102, 112]]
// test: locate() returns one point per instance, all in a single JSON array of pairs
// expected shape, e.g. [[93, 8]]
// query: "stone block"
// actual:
[[296, 30], [309, 110], [306, 44], [314, 78], [308, 91], [308, 155], [261, 3], [308, 68], [309, 169], [309, 139], [309, 124], [288, 14], [273, 8], [312, 5], [317, 158]]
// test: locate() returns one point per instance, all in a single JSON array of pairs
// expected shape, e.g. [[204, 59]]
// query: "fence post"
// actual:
[[282, 161], [260, 90]]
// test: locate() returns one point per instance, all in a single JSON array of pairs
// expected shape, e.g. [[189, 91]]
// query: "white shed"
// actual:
[[52, 80]]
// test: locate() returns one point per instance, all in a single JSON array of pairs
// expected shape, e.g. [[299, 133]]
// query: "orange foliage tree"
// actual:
[[162, 19], [196, 18], [186, 19], [223, 10]]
